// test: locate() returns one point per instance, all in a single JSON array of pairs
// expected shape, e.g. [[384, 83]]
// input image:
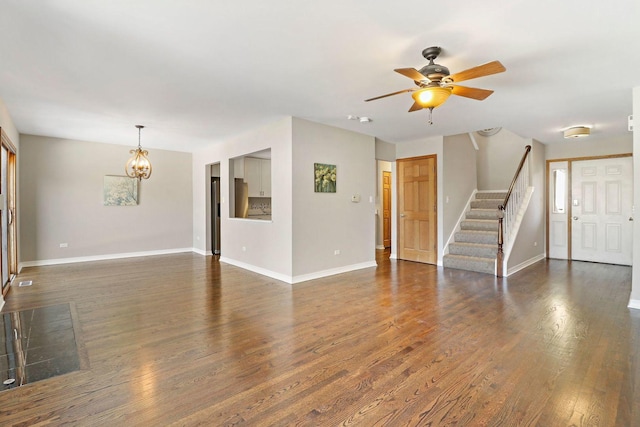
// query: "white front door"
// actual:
[[601, 210], [558, 179]]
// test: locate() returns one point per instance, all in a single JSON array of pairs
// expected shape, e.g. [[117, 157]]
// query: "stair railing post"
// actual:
[[500, 257]]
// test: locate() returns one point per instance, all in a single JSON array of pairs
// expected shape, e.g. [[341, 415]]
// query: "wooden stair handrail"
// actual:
[[502, 208]]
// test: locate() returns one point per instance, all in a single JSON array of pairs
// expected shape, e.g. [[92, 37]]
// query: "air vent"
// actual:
[[489, 131]]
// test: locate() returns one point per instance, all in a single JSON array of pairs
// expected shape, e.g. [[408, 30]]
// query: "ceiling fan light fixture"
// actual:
[[431, 97], [577, 132]]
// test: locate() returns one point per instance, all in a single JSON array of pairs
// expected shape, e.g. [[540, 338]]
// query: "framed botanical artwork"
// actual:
[[120, 191], [325, 178]]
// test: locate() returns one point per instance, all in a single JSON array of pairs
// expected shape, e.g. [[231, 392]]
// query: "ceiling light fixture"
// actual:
[[139, 165], [365, 120], [431, 97], [577, 132]]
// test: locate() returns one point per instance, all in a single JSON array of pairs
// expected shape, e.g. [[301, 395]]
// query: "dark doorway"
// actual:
[[215, 215]]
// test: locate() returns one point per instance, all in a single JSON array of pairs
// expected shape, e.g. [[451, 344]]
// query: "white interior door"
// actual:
[[558, 203], [601, 210]]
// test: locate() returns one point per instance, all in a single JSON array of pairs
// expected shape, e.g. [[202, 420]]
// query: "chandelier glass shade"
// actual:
[[138, 166], [431, 96]]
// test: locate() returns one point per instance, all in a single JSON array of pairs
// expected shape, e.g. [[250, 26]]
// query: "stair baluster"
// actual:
[[508, 209]]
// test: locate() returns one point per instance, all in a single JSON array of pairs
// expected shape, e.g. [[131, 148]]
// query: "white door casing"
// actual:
[[558, 203]]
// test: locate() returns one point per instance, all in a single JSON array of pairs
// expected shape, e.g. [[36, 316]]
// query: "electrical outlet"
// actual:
[[244, 249], [336, 252]]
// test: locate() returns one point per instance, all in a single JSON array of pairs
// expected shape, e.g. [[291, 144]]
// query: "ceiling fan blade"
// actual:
[[389, 94], [412, 73], [471, 92], [494, 67], [415, 107]]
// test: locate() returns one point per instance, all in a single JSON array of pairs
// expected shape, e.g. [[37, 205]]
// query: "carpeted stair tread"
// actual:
[[482, 214], [475, 245], [491, 195], [482, 250], [477, 236], [462, 262], [486, 203], [479, 224]]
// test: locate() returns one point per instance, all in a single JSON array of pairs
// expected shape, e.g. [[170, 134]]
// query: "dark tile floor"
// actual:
[[37, 344]]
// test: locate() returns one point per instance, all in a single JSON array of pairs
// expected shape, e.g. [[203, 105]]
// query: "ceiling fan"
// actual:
[[435, 83]]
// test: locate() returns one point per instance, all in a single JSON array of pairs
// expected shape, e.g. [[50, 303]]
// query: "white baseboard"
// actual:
[[332, 271], [380, 247], [1, 304], [393, 256], [634, 303], [278, 276], [259, 270], [301, 278], [102, 257], [525, 264]]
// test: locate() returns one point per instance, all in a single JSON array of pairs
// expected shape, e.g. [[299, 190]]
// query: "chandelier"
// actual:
[[139, 165]]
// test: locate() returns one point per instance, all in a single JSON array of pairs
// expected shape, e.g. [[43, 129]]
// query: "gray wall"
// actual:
[[459, 178], [61, 201], [306, 227], [325, 222], [267, 244], [498, 159], [385, 150], [530, 242], [590, 147]]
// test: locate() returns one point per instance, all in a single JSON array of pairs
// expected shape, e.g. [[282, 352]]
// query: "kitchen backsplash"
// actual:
[[260, 203]]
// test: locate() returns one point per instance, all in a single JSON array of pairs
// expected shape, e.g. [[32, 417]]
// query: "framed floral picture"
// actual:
[[120, 191], [325, 178]]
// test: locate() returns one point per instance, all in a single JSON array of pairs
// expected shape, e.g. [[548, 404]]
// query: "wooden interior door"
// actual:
[[386, 209], [417, 209]]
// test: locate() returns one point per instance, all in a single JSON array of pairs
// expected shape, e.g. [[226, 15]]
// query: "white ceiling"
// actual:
[[196, 72]]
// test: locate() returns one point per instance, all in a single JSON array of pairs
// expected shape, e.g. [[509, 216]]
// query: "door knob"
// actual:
[[575, 217], [630, 218], [401, 215]]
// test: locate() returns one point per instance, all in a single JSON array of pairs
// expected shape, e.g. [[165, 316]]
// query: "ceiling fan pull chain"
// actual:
[[430, 116]]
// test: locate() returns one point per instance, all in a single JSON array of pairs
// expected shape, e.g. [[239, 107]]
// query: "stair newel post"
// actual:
[[500, 257]]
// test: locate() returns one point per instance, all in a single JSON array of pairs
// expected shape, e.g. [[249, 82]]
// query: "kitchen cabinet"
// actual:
[[257, 175]]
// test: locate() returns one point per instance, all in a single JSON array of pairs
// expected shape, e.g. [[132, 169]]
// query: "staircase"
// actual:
[[475, 246]]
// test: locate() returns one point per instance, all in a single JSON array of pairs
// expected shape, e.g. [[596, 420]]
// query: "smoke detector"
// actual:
[[360, 119]]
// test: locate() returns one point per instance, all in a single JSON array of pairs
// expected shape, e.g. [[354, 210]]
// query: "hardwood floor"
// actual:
[[184, 340]]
